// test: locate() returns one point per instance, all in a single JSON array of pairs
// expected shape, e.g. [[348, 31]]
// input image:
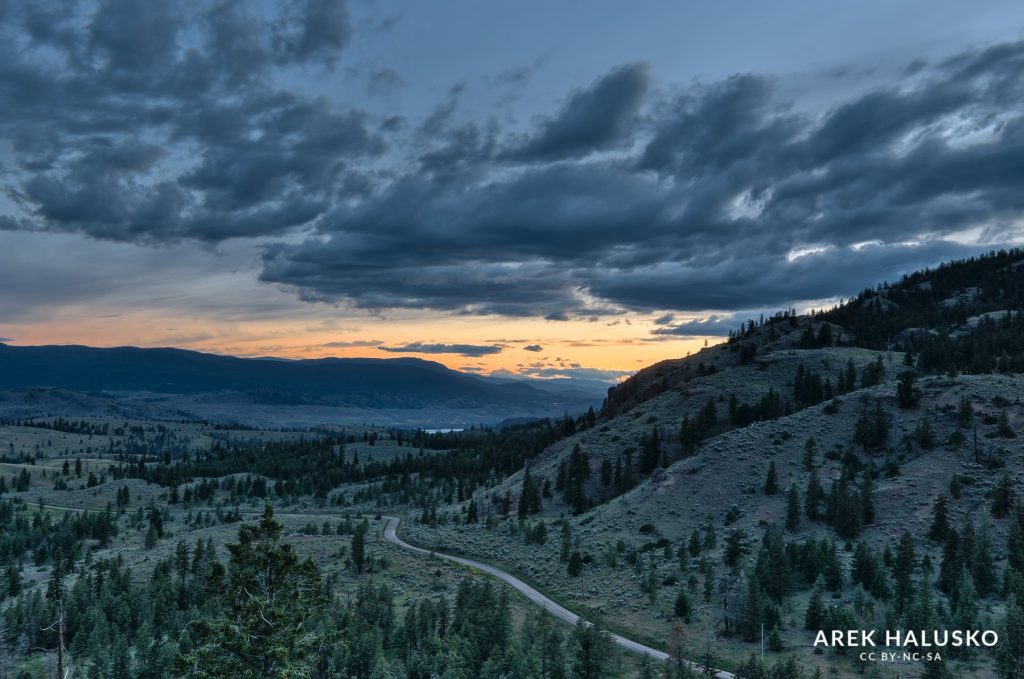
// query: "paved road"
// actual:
[[555, 609]]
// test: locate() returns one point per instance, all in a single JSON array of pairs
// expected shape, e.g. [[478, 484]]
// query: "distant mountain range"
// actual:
[[366, 384]]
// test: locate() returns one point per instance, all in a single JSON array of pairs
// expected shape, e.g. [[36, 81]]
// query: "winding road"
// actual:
[[552, 607]]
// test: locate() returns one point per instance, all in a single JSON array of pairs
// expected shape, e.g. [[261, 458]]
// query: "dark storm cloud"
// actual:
[[718, 326], [714, 128], [593, 118], [424, 244], [736, 199], [533, 347], [471, 350], [155, 122], [459, 149], [738, 282]]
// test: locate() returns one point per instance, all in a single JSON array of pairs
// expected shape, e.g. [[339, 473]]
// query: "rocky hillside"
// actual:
[[963, 317], [852, 468]]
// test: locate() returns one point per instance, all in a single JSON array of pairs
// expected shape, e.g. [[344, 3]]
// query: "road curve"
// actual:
[[552, 607]]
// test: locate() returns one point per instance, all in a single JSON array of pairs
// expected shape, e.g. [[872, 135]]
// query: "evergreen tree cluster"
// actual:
[[265, 613], [572, 478], [694, 430], [922, 311]]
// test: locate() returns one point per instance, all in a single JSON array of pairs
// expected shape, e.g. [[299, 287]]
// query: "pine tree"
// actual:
[[923, 432], [1004, 497], [12, 578], [645, 670], [592, 652], [903, 569], [771, 484], [864, 569], [813, 497], [1010, 652], [851, 375], [774, 569], [867, 499], [628, 479], [150, 540], [906, 393], [268, 603], [792, 508], [710, 536], [652, 583], [752, 668], [650, 451], [824, 338], [983, 562], [120, 666], [358, 549], [682, 605], [966, 604], [575, 475], [755, 611], [55, 585], [522, 508], [940, 519], [871, 429], [552, 649], [957, 553], [955, 487], [529, 497], [693, 544], [965, 413], [566, 540], [1003, 427], [575, 566], [810, 451], [735, 547], [833, 568]]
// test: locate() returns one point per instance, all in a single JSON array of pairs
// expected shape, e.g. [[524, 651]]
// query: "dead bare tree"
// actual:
[[63, 660]]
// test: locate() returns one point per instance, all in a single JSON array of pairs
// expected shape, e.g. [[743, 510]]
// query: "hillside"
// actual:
[[272, 392], [664, 492], [954, 317]]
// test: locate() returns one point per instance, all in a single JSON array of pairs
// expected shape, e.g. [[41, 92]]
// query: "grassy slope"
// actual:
[[730, 470]]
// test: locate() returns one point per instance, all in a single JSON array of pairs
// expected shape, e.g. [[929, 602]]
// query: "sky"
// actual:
[[545, 189]]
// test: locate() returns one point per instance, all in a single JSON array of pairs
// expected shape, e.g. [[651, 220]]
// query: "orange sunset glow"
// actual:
[[615, 346]]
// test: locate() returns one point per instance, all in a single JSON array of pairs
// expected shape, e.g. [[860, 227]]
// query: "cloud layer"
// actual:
[[161, 123], [471, 350], [156, 122], [725, 196]]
